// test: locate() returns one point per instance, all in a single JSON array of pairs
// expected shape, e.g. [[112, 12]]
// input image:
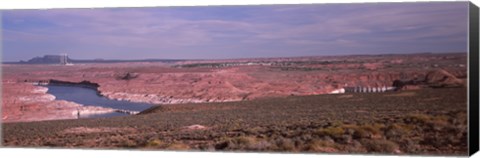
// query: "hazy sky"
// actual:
[[235, 31]]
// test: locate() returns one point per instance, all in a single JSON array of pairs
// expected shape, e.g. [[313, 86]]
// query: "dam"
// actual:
[[360, 89]]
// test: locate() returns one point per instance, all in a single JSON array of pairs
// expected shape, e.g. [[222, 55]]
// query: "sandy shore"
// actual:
[[33, 103]]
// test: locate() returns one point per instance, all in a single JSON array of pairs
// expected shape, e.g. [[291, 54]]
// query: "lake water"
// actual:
[[90, 97]]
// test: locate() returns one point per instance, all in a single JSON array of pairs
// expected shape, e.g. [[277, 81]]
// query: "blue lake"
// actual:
[[90, 97]]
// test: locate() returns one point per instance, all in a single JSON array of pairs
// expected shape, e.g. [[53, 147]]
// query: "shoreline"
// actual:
[[49, 108]]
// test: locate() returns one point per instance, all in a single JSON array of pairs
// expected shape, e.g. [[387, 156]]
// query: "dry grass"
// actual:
[[346, 96], [402, 94], [78, 130], [322, 146], [331, 131], [381, 146], [293, 124], [177, 146]]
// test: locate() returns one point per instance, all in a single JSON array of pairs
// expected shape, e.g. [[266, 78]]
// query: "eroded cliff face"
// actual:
[[235, 85], [240, 84], [23, 102]]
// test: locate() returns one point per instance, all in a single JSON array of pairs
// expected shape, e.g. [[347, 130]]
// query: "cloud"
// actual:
[[236, 31]]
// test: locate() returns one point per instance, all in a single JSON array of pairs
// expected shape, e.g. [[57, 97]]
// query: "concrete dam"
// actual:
[[363, 90]]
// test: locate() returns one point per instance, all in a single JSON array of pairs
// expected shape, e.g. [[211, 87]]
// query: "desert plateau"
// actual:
[[298, 104]]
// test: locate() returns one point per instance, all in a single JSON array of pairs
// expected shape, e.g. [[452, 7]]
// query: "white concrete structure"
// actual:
[[364, 89], [338, 91], [64, 60]]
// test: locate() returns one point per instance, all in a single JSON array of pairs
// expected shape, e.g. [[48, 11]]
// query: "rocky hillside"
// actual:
[[47, 59], [55, 59]]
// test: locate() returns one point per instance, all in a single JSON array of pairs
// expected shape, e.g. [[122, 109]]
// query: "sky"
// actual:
[[221, 32]]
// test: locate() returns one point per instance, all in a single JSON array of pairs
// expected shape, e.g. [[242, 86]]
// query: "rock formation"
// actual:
[[441, 78]]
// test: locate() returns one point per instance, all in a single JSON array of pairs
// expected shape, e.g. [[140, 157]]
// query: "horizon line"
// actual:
[[187, 59]]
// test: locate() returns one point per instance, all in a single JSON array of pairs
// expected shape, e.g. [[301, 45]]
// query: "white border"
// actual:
[[82, 153]]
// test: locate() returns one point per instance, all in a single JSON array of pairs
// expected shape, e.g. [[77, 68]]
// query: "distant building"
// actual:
[[64, 60]]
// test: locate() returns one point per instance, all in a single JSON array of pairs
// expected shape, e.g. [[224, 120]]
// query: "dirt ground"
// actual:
[[420, 122]]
